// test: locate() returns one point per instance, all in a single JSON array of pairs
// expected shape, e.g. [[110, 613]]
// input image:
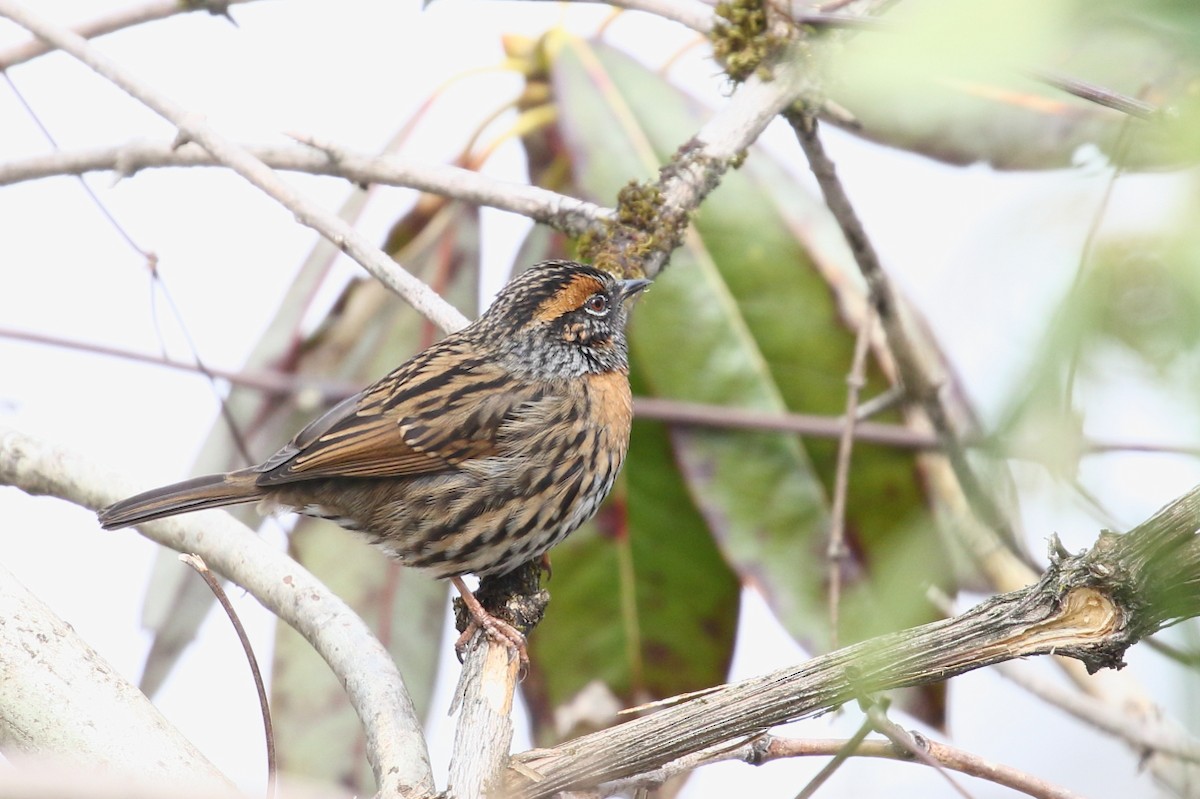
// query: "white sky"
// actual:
[[983, 255]]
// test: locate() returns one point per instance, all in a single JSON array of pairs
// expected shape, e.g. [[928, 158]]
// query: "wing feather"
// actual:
[[391, 430]]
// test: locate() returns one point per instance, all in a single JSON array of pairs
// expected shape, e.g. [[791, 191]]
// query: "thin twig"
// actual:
[[704, 415], [946, 756], [769, 748], [1131, 106], [192, 127], [657, 408], [848, 748], [152, 266], [1085, 255], [214, 585], [922, 387], [1188, 659], [1141, 734], [837, 552], [113, 21], [271, 382], [909, 743], [822, 20]]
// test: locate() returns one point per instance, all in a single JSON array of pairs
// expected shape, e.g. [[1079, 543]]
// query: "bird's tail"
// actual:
[[210, 491]]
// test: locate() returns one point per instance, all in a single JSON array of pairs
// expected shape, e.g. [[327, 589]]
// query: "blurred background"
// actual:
[[1047, 244]]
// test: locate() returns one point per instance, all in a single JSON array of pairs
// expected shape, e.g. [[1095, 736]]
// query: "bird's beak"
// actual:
[[633, 287]]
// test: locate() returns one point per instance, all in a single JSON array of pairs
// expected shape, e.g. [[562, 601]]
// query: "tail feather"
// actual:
[[210, 491]]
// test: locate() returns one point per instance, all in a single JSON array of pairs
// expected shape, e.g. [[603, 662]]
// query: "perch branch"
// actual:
[[395, 744], [484, 696], [1091, 606], [483, 737]]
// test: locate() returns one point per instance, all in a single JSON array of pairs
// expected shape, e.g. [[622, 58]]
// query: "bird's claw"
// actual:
[[500, 632]]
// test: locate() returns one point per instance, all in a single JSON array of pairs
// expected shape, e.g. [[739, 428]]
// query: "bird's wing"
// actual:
[[430, 415]]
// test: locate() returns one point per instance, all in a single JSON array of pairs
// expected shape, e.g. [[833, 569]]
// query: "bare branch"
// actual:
[[848, 748], [767, 748], [921, 385], [665, 410], [114, 21], [836, 551], [483, 736], [192, 127], [699, 164], [910, 743], [1099, 95], [568, 214], [1090, 606], [395, 744], [58, 695], [946, 756], [1144, 735]]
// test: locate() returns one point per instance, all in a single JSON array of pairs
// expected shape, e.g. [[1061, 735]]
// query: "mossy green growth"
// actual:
[[740, 40], [640, 229]]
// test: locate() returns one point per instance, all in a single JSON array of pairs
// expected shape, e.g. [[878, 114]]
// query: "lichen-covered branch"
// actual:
[[1091, 606]]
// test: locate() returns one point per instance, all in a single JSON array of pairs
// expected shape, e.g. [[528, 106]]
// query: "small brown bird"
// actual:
[[477, 455]]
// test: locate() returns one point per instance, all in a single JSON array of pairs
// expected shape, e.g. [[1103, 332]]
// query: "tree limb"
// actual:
[[395, 743], [59, 696], [568, 214], [1091, 606]]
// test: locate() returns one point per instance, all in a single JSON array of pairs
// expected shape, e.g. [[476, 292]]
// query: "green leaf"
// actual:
[[962, 82], [642, 604], [744, 317]]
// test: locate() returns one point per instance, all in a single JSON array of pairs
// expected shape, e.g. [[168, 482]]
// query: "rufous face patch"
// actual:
[[569, 298]]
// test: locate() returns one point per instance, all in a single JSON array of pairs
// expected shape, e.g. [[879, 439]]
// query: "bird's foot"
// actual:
[[498, 630]]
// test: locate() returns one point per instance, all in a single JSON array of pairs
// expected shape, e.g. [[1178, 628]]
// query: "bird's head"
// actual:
[[563, 319]]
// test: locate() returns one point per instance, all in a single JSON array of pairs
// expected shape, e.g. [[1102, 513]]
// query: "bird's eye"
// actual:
[[596, 305]]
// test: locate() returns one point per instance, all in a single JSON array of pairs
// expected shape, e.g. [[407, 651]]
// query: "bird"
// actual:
[[475, 456]]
